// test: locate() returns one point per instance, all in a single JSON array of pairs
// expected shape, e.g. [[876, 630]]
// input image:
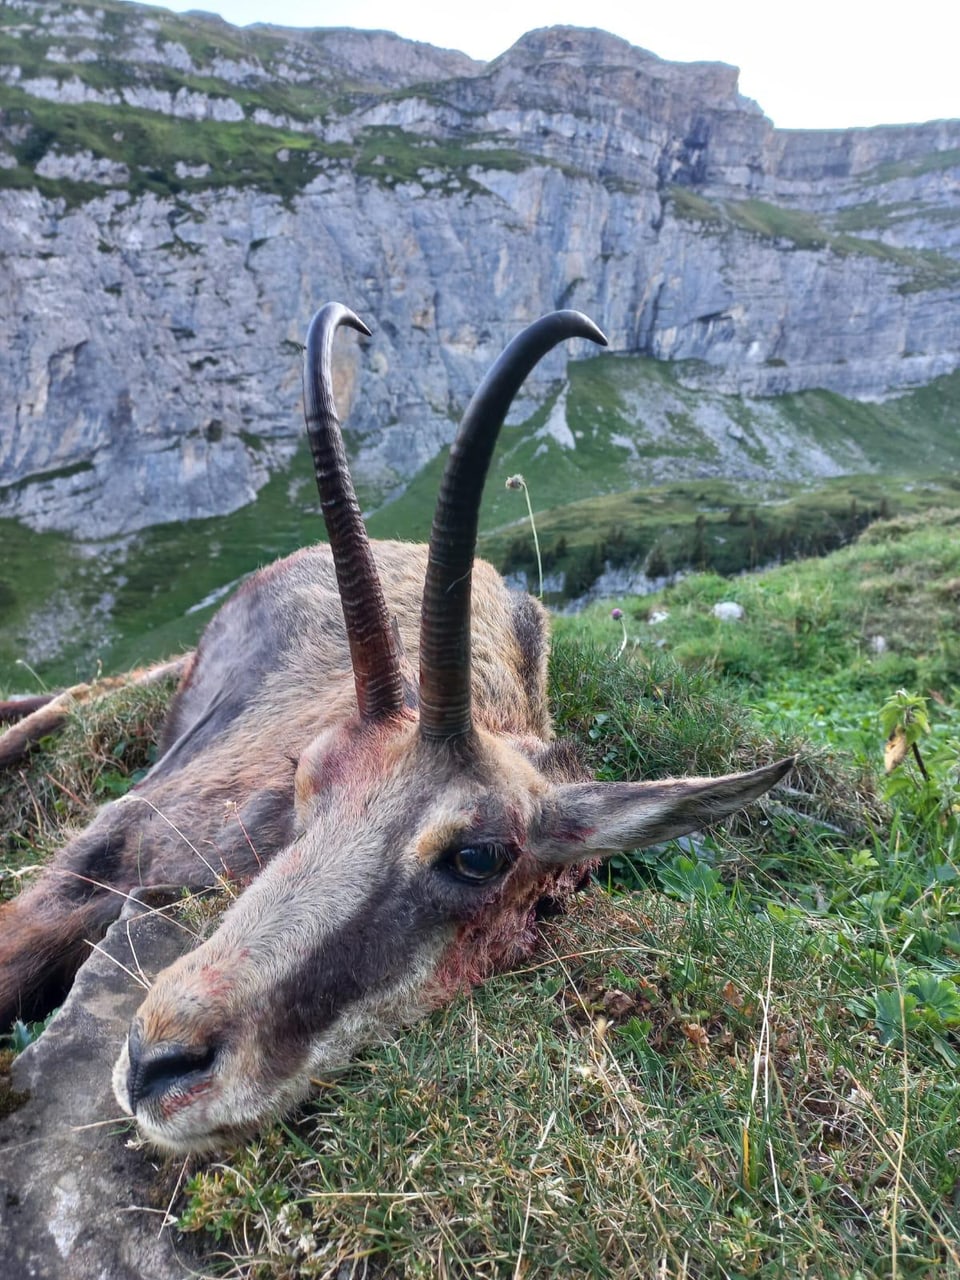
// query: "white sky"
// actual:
[[809, 63]]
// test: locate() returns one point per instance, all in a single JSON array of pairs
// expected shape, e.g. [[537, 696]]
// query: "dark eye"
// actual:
[[477, 862]]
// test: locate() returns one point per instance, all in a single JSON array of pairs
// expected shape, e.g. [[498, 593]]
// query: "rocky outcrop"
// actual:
[[150, 362], [78, 1199]]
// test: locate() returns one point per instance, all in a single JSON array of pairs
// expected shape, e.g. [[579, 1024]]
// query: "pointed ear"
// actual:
[[585, 818]]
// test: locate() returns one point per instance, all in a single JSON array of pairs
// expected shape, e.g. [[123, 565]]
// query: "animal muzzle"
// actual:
[[159, 1071]]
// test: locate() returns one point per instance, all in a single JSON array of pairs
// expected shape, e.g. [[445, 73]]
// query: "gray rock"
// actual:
[[76, 1203], [148, 361]]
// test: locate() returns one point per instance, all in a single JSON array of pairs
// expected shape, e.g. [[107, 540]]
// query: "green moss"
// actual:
[[757, 216], [11, 1099], [239, 154], [390, 155], [687, 204]]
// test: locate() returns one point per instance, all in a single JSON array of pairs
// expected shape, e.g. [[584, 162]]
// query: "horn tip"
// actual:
[[355, 322], [581, 326], [333, 314]]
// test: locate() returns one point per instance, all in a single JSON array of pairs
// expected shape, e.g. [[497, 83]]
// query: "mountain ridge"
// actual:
[[177, 195]]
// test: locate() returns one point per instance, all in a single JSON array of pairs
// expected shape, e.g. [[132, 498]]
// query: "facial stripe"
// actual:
[[371, 951]]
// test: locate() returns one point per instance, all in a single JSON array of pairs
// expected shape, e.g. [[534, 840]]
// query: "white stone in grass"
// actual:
[[728, 611]]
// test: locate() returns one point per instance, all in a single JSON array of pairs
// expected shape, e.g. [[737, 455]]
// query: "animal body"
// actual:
[[363, 735]]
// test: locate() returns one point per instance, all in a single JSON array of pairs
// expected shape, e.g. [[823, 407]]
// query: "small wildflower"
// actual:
[[288, 1216], [518, 482], [617, 616], [306, 1245]]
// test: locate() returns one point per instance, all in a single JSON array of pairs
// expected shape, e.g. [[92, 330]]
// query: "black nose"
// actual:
[[157, 1068]]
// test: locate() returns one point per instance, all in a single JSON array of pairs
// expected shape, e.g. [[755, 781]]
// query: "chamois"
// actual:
[[408, 826]]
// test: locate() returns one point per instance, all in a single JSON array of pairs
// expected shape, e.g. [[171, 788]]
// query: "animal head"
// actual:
[[425, 839]]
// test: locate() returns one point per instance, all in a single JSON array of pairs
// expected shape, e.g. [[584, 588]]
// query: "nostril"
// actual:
[[157, 1068]]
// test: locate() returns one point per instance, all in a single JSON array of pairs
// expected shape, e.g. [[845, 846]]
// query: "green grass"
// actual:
[[873, 216], [688, 204], [66, 612], [71, 609], [709, 524], [105, 747], [619, 1109], [816, 619], [632, 419], [390, 155], [745, 1066], [933, 162], [239, 154], [777, 223], [738, 1058], [922, 268]]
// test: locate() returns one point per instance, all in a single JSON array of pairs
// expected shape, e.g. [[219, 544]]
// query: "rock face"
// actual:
[[177, 196]]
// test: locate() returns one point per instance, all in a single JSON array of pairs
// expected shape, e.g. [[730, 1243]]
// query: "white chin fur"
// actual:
[[120, 1071], [239, 1108]]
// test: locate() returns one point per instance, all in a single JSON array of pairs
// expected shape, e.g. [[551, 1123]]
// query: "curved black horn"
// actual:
[[373, 646], [445, 618]]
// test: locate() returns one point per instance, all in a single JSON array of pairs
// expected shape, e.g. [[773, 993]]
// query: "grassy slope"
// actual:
[[238, 153], [707, 525], [748, 1066], [586, 513], [124, 606], [810, 629], [752, 1072], [674, 430]]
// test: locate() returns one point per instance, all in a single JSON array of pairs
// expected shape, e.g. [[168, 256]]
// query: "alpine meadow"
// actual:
[[653, 968]]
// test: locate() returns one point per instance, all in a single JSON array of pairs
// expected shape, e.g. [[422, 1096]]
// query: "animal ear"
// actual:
[[582, 819]]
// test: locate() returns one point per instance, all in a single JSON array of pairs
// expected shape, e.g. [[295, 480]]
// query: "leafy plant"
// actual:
[[930, 792]]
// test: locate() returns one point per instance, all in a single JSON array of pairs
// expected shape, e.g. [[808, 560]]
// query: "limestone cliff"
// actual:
[[176, 197]]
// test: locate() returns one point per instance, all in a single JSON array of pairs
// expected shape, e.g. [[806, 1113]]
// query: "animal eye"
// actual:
[[477, 862]]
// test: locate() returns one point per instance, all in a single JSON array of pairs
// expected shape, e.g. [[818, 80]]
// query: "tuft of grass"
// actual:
[[103, 749]]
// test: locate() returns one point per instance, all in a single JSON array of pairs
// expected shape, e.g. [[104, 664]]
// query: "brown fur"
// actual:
[[355, 919], [270, 674], [401, 837]]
